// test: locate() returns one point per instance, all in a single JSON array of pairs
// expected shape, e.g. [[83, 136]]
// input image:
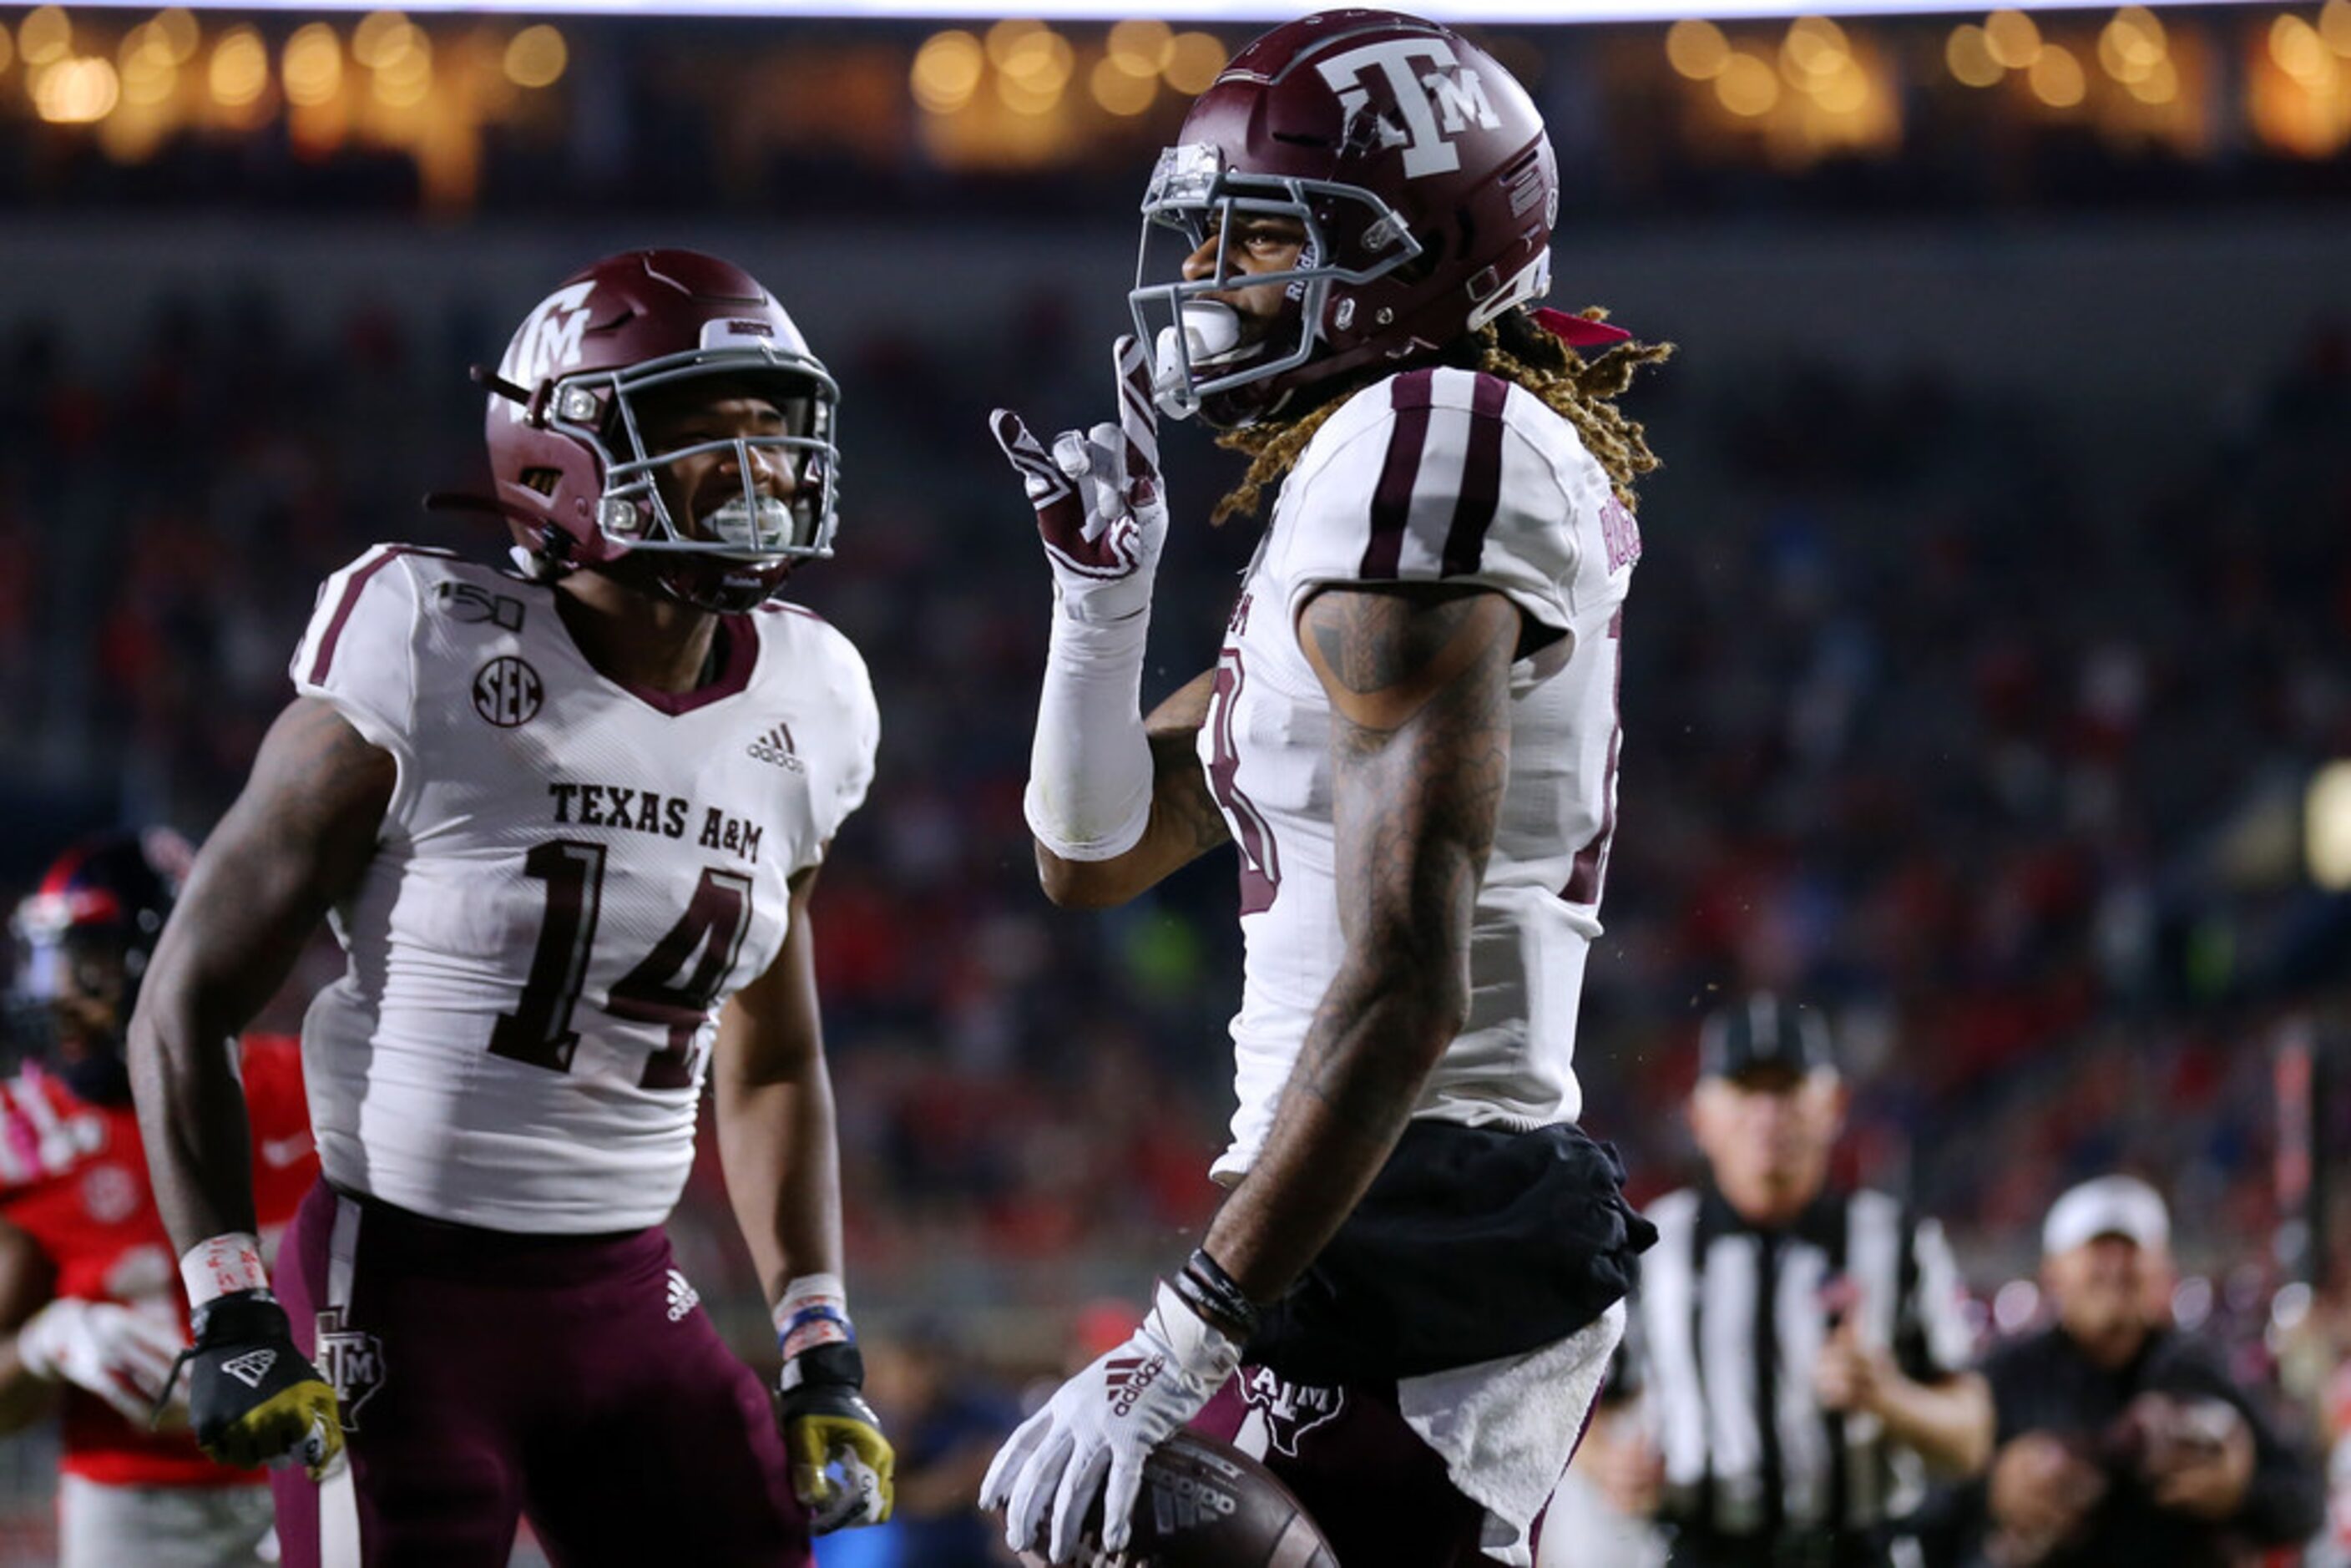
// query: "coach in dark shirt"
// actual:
[[2120, 1439]]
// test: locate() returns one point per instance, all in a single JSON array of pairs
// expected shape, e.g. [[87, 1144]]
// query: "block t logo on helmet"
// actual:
[[1458, 101]]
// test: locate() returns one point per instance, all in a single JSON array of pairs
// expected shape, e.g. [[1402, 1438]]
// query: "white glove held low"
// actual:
[[123, 1356], [1093, 1435], [1102, 514]]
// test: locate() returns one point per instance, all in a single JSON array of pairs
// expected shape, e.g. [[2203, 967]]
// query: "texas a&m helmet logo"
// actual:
[[1435, 103], [549, 343], [351, 1361]]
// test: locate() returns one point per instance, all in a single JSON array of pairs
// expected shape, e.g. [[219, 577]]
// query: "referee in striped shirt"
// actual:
[[1802, 1347]]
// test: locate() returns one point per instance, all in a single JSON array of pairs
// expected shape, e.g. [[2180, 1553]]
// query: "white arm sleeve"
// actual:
[[1090, 769]]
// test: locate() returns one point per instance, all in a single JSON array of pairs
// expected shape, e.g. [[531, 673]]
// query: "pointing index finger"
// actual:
[[1138, 415]]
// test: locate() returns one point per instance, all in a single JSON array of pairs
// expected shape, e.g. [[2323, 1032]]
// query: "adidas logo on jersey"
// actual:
[[1181, 1503], [1128, 1378], [776, 746], [682, 1296], [251, 1367]]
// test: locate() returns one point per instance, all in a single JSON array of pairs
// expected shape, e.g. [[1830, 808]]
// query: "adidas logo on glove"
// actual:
[[251, 1367], [1127, 1379]]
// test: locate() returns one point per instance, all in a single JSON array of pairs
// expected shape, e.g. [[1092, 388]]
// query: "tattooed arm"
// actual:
[[1185, 822], [295, 841], [1418, 680]]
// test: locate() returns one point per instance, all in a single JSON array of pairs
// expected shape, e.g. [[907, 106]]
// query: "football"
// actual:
[[1205, 1504]]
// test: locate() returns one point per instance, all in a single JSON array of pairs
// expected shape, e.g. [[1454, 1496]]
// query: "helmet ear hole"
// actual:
[[543, 480]]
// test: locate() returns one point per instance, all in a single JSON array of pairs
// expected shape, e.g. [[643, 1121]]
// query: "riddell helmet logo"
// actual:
[[549, 343], [1441, 102]]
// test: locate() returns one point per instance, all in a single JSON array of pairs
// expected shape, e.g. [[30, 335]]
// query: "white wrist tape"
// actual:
[[1090, 769], [229, 1261], [814, 1311]]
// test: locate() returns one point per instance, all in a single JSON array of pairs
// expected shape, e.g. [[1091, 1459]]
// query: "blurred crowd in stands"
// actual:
[[1977, 732]]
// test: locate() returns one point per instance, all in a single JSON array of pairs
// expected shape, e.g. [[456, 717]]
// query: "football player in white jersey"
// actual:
[[566, 822], [1405, 1305]]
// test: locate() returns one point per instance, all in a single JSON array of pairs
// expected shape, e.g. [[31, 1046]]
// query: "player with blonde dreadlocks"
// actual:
[[1406, 1303], [1517, 346]]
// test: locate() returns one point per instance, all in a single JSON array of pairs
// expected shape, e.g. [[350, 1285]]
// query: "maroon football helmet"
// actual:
[[567, 446], [1420, 171]]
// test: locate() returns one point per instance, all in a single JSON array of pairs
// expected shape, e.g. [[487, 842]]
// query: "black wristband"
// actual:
[[825, 1366], [239, 1317], [1207, 1288]]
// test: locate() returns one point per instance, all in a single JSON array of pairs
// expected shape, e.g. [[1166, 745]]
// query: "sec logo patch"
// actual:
[[507, 691]]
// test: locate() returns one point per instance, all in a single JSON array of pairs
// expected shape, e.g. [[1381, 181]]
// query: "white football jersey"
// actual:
[[572, 875], [1433, 476]]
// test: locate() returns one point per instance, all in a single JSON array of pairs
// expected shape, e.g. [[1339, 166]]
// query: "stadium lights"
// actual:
[[2327, 827], [1522, 12]]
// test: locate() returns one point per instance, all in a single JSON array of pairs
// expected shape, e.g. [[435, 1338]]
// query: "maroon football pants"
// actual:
[[1380, 1494], [485, 1377]]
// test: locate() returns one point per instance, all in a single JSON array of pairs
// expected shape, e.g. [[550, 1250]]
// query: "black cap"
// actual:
[[1763, 1031]]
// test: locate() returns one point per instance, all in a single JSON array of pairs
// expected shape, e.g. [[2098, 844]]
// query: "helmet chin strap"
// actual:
[[694, 580]]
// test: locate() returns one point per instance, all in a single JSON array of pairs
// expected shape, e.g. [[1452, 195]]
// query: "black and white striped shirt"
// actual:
[[1730, 1323]]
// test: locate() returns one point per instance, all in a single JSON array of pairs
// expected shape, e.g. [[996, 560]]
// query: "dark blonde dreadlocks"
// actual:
[[1517, 348]]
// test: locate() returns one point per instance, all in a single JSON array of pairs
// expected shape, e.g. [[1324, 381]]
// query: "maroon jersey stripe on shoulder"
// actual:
[[1481, 478], [325, 661], [1409, 396]]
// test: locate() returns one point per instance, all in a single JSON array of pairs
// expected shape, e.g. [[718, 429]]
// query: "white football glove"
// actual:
[[1100, 1428], [118, 1353], [1100, 508]]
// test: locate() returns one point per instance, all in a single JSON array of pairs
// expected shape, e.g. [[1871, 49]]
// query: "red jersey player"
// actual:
[[88, 1294]]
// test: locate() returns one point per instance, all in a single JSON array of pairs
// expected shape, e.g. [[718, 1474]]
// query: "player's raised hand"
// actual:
[[253, 1397], [118, 1353], [1100, 508], [1092, 1436]]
